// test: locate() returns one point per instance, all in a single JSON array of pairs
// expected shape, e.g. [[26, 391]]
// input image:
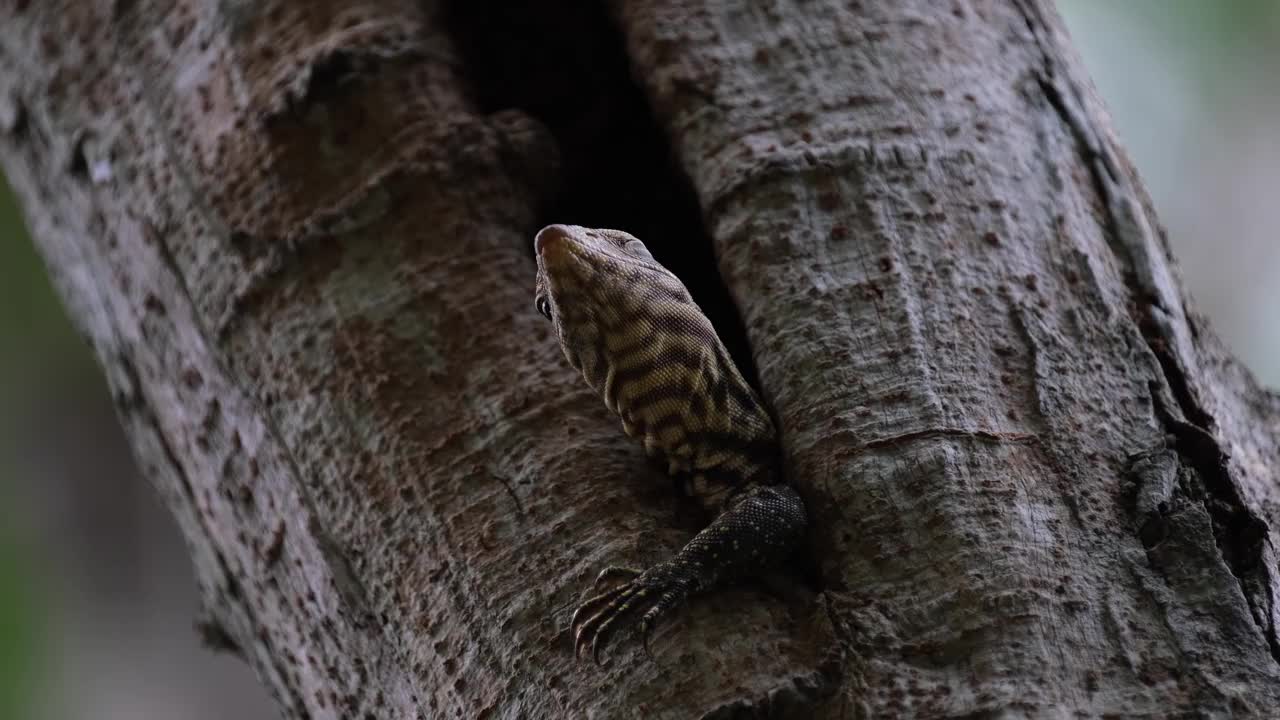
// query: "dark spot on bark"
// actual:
[[191, 378], [275, 547], [215, 637], [78, 164], [1153, 532], [241, 242]]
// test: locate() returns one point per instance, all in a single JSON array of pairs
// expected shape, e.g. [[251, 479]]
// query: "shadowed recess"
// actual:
[[566, 65]]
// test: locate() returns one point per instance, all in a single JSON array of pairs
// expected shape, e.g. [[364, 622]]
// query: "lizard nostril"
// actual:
[[547, 235]]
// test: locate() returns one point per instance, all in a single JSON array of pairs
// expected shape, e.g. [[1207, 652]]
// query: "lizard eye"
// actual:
[[543, 306], [637, 248]]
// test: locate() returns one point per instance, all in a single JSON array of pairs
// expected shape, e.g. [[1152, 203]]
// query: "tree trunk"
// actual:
[[297, 235]]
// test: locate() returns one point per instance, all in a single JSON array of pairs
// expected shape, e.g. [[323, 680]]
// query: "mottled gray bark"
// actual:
[[301, 252], [1037, 481]]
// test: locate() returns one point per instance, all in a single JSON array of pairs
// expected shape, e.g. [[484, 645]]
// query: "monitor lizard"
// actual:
[[632, 329]]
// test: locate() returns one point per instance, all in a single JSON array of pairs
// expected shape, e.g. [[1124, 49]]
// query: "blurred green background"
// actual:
[[97, 600]]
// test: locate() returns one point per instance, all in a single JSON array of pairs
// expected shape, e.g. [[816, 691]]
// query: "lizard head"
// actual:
[[592, 283]]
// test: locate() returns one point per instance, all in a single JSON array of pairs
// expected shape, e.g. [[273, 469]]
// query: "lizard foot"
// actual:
[[655, 591]]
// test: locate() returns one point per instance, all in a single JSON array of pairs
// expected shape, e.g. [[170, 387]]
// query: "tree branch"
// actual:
[[300, 251]]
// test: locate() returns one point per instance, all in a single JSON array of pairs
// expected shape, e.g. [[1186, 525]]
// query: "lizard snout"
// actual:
[[549, 235]]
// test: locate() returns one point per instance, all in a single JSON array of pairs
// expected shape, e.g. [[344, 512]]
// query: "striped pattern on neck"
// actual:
[[633, 331]]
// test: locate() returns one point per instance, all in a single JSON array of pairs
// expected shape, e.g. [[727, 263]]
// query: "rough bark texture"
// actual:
[[297, 237]]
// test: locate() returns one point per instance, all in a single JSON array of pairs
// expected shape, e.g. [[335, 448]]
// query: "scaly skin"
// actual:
[[632, 330]]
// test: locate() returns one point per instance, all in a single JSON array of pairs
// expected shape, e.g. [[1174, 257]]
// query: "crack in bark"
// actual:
[[991, 436], [1240, 534]]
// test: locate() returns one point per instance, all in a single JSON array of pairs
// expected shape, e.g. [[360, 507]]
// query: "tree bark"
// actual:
[[297, 236]]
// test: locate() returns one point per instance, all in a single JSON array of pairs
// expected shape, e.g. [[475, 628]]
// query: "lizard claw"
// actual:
[[666, 602], [758, 531], [598, 618], [614, 573]]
